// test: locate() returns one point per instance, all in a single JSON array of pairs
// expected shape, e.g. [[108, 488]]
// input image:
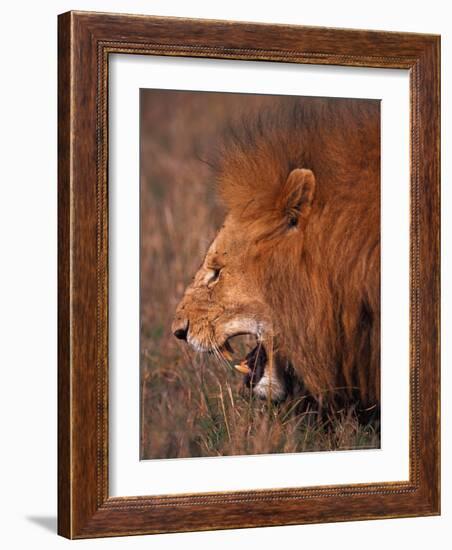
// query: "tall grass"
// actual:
[[192, 407], [190, 404]]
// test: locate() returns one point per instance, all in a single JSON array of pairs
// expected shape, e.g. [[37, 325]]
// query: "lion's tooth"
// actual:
[[242, 367]]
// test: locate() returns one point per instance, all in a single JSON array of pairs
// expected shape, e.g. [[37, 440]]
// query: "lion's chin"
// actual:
[[257, 376]]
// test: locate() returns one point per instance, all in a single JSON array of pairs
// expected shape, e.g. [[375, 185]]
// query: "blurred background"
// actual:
[[190, 404]]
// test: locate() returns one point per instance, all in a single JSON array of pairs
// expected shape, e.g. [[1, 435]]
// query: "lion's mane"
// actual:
[[324, 291]]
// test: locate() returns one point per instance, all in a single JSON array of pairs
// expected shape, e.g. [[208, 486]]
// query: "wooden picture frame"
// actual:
[[85, 42]]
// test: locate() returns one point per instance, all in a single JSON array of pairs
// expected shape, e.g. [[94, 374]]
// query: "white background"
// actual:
[[128, 476], [28, 271]]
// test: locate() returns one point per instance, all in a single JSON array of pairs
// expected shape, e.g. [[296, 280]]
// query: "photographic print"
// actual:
[[220, 278], [259, 274]]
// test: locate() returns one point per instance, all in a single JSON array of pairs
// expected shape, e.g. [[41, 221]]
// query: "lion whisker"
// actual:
[[217, 352], [223, 358]]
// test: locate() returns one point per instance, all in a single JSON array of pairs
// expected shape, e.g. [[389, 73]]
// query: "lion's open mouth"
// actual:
[[263, 381], [252, 366]]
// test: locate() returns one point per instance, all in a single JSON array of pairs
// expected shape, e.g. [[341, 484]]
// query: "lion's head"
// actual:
[[228, 296], [296, 262]]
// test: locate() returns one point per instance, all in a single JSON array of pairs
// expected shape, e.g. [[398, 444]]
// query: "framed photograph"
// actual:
[[248, 275]]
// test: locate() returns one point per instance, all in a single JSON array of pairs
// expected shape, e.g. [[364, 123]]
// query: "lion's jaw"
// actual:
[[224, 300]]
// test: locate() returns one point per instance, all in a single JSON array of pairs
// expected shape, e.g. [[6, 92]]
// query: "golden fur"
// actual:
[[297, 262]]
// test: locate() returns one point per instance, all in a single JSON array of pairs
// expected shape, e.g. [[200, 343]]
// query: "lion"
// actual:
[[296, 263]]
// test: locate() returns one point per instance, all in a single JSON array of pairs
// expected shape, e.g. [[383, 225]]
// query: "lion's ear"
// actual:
[[297, 195]]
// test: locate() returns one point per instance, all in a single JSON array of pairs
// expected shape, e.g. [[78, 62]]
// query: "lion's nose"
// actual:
[[180, 330], [180, 333]]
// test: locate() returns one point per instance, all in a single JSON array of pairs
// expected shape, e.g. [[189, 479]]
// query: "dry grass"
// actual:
[[195, 408], [191, 405]]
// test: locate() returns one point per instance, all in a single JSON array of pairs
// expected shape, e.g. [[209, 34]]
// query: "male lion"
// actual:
[[297, 260]]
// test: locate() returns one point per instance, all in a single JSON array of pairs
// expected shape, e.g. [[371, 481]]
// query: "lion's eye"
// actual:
[[293, 221], [214, 274]]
